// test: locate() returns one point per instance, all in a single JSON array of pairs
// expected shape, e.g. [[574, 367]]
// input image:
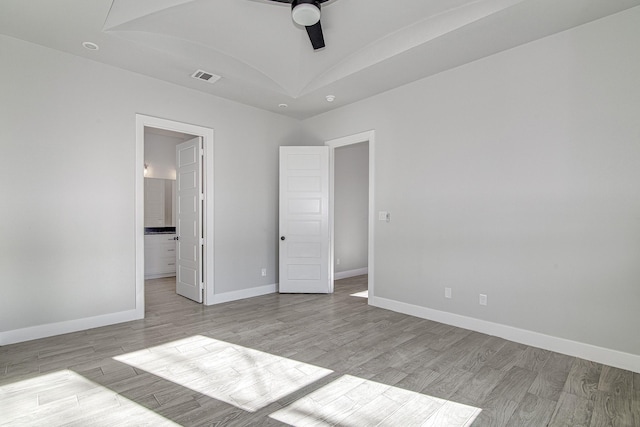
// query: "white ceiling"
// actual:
[[265, 59]]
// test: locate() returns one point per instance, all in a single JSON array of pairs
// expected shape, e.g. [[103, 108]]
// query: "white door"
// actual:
[[304, 220], [189, 198]]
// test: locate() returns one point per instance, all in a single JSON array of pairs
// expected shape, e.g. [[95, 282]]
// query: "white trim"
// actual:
[[603, 355], [59, 328], [370, 137], [159, 276], [207, 134], [350, 273], [245, 293]]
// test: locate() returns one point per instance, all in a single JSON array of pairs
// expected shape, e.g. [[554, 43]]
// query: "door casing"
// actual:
[[367, 136], [207, 135]]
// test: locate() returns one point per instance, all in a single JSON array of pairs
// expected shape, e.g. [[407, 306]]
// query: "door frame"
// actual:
[[143, 121], [367, 136]]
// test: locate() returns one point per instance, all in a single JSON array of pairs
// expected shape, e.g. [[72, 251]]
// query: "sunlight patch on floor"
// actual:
[[65, 397], [246, 378], [363, 294], [352, 401]]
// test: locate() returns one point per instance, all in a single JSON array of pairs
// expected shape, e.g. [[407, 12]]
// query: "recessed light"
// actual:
[[282, 105], [331, 98], [90, 46]]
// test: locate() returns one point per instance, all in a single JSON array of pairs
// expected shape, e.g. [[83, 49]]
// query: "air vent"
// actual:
[[207, 77]]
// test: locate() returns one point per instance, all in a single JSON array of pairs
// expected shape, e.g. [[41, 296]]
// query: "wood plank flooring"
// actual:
[[301, 360]]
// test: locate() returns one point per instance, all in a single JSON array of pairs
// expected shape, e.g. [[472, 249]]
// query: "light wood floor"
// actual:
[[301, 360]]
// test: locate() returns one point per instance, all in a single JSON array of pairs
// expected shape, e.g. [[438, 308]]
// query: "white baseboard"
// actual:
[[594, 353], [244, 293], [59, 328], [158, 276], [350, 273]]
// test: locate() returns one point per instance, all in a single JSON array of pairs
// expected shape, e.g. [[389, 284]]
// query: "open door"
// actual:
[[189, 199], [304, 220]]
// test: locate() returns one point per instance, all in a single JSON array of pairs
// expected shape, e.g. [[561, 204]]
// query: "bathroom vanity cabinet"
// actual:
[[159, 255]]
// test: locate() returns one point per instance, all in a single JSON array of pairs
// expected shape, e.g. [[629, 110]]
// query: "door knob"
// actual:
[[282, 238]]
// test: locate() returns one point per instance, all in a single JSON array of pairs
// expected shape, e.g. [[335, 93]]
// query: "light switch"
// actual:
[[382, 216]]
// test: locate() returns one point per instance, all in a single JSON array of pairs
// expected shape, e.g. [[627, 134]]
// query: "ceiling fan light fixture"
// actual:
[[306, 13]]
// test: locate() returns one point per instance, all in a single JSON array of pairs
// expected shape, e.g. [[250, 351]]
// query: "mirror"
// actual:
[[159, 206]]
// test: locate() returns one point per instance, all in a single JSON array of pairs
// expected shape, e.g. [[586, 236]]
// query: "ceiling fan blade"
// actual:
[[315, 35]]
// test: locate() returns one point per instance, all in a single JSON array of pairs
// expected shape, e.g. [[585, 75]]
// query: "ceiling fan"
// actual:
[[307, 14]]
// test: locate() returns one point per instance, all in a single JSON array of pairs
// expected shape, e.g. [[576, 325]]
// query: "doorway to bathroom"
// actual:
[[174, 207]]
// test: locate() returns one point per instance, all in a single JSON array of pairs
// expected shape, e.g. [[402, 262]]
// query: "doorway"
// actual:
[[362, 138], [161, 197], [351, 208], [173, 128]]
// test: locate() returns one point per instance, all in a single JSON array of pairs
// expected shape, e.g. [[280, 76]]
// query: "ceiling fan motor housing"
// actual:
[[305, 12]]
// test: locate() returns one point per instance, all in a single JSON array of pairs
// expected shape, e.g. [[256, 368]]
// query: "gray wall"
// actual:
[[516, 176], [160, 155], [67, 183], [351, 206]]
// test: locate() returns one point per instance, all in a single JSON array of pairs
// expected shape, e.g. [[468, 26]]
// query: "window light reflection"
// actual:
[[352, 401], [363, 294], [64, 398], [246, 378]]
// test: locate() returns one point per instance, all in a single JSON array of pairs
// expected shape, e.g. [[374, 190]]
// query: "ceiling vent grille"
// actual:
[[205, 76]]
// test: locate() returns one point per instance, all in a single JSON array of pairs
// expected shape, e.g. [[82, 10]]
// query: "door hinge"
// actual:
[[201, 196], [201, 241]]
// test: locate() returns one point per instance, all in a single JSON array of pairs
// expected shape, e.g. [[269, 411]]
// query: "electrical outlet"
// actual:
[[447, 292], [264, 272], [483, 299], [338, 261]]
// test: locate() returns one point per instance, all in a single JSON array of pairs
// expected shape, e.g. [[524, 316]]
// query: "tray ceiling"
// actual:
[[264, 59]]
